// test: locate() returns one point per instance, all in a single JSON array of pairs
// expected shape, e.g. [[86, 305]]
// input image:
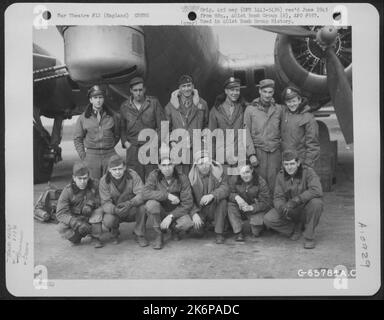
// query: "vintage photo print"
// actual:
[[192, 150]]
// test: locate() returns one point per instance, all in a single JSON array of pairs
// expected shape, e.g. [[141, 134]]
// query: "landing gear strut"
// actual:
[[325, 166], [46, 150]]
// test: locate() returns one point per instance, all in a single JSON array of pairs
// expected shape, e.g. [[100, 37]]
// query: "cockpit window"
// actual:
[[240, 74], [258, 75]]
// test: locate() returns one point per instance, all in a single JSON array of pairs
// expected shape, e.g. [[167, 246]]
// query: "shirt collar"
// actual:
[[298, 174], [95, 111]]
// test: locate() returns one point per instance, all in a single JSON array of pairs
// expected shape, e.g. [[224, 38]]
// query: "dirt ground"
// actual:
[[270, 256]]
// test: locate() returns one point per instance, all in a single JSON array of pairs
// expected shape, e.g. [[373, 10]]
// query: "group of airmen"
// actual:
[[277, 188]]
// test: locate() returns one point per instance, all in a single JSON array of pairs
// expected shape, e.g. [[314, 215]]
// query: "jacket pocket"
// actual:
[[148, 118]]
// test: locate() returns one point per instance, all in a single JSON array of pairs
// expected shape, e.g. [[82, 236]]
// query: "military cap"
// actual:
[[115, 161], [289, 155], [290, 92], [96, 91], [266, 83], [164, 152], [185, 79], [80, 169], [135, 80], [231, 83], [200, 155]]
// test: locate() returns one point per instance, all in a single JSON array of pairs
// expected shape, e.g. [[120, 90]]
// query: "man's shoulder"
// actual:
[[309, 171], [103, 180], [153, 175], [278, 107], [203, 103], [82, 116], [215, 109], [280, 174], [184, 180], [125, 104], [182, 176], [152, 99], [169, 106], [133, 174], [251, 107], [262, 180], [94, 183], [67, 190]]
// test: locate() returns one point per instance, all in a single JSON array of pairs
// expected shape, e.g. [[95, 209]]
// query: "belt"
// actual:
[[102, 149]]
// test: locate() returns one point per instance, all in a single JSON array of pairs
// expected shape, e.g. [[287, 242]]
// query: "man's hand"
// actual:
[[286, 211], [247, 208], [126, 205], [292, 204], [254, 161], [127, 144], [87, 210], [75, 223], [166, 222], [122, 208], [288, 208], [84, 229], [205, 200], [197, 222], [240, 202], [174, 200]]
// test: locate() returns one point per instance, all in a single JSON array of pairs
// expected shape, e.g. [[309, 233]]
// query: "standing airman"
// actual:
[[97, 131]]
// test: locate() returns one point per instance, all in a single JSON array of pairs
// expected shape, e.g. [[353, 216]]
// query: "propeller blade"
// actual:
[[293, 31], [341, 94]]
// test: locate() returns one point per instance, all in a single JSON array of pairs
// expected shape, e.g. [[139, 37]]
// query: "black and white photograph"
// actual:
[[194, 152], [270, 66]]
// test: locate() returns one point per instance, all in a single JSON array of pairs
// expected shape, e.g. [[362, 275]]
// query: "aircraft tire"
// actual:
[[42, 168]]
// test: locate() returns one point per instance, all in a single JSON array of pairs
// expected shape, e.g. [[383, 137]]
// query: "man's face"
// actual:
[[293, 103], [117, 172], [204, 165], [266, 94], [166, 167], [233, 93], [246, 173], [291, 166], [138, 92], [97, 101], [186, 89], [81, 181]]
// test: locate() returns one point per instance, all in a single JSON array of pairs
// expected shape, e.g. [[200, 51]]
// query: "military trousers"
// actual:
[[133, 214], [215, 213], [236, 217], [269, 166], [307, 215], [132, 161], [157, 213], [74, 236], [97, 161]]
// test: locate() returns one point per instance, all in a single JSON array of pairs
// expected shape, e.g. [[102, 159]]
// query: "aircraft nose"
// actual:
[[104, 54]]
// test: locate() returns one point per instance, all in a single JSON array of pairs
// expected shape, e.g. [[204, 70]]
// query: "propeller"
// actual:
[[341, 94], [337, 81]]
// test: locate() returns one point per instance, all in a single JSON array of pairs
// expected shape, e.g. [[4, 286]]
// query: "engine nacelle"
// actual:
[[301, 62], [103, 54]]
